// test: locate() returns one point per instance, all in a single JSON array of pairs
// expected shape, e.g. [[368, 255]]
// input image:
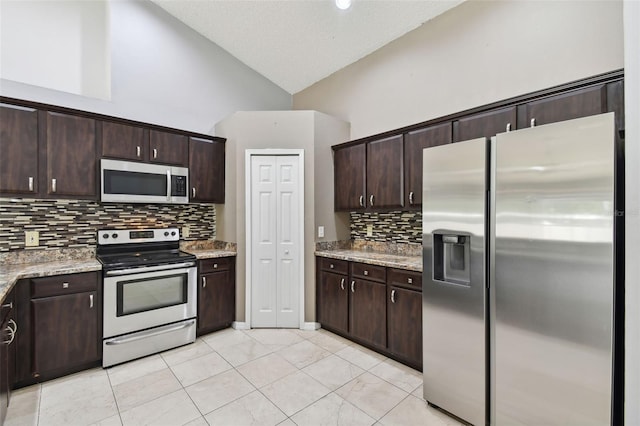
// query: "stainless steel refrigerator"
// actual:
[[518, 293]]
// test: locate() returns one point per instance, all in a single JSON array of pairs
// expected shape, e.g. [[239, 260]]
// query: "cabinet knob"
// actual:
[[365, 273], [65, 285], [410, 280], [215, 266], [331, 266]]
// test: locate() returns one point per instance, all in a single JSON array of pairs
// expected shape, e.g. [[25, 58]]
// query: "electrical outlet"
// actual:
[[185, 232], [31, 238], [369, 230], [320, 231]]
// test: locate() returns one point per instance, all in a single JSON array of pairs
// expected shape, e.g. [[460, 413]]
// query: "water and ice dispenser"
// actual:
[[451, 258]]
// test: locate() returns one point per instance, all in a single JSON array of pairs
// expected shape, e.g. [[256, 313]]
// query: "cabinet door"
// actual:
[[65, 331], [333, 301], [485, 124], [385, 175], [349, 168], [18, 150], [168, 148], [206, 170], [368, 312], [566, 106], [71, 155], [405, 324], [124, 141], [216, 301], [414, 143]]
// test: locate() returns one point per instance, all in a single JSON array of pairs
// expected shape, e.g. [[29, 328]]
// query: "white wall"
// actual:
[[282, 130], [632, 209], [474, 54], [59, 45], [162, 72]]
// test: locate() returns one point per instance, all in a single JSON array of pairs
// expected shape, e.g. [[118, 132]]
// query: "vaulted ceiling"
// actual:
[[295, 43]]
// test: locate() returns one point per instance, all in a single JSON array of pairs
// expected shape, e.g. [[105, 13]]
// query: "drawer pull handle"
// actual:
[[12, 331], [215, 266], [353, 283], [54, 185], [508, 127], [331, 266], [410, 280], [30, 183], [342, 284], [65, 285], [137, 151], [365, 273], [155, 153], [8, 305], [193, 192], [533, 122], [204, 282], [393, 296], [91, 301]]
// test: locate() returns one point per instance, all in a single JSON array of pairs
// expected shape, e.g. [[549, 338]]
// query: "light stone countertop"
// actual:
[[10, 274], [411, 263], [210, 253]]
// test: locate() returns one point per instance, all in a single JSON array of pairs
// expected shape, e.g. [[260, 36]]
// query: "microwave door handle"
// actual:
[[168, 185]]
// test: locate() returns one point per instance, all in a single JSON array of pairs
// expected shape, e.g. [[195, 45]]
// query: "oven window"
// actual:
[[134, 183], [151, 293]]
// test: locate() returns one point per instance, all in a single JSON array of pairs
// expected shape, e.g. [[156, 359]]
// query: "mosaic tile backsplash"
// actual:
[[396, 227], [73, 223]]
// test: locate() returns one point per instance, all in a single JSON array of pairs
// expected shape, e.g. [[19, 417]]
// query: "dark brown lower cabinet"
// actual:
[[216, 294], [8, 330], [367, 316], [65, 331], [378, 307], [60, 321], [404, 322]]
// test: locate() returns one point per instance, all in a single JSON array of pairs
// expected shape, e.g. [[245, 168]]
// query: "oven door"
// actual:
[[136, 301]]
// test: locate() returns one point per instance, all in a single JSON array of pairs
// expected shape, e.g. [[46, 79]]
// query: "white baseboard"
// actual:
[[310, 326], [240, 325]]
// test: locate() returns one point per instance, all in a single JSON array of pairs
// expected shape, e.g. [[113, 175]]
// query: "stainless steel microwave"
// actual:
[[130, 182]]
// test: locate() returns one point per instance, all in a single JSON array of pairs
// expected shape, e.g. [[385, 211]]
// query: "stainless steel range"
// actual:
[[149, 293]]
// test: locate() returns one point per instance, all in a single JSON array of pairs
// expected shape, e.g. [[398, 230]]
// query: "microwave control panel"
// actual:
[[178, 186]]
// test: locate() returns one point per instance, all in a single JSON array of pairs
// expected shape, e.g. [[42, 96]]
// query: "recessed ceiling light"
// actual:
[[343, 4]]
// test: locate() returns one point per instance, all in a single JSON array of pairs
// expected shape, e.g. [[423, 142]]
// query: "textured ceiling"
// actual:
[[295, 43]]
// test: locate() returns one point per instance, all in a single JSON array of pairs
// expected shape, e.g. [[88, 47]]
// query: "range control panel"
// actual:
[[124, 236]]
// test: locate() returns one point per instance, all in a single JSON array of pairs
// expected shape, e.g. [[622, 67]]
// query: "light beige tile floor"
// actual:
[[234, 378]]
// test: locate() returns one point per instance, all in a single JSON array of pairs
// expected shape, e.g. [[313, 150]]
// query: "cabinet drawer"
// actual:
[[369, 272], [64, 284], [215, 264], [333, 265], [404, 278]]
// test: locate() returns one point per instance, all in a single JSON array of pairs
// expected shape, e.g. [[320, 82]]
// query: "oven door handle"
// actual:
[[149, 333], [142, 269]]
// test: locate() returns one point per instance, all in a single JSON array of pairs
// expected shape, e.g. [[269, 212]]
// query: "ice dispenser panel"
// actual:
[[451, 258]]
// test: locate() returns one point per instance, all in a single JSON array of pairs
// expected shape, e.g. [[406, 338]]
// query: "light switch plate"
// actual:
[[369, 230], [31, 238], [321, 231]]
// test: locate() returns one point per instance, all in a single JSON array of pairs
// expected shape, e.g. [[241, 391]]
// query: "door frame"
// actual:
[[248, 231]]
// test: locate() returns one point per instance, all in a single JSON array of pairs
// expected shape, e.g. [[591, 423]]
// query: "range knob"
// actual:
[[114, 235], [166, 233], [105, 236], [173, 233]]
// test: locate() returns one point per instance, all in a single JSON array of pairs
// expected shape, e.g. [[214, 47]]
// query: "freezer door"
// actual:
[[454, 291], [552, 274]]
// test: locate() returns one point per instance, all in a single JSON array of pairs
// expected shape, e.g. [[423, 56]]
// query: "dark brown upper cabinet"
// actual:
[[485, 124], [206, 170], [565, 106], [349, 174], [18, 150], [414, 143], [71, 155], [124, 141], [168, 148], [385, 173]]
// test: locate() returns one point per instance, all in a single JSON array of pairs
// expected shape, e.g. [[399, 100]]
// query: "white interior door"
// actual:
[[275, 241]]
